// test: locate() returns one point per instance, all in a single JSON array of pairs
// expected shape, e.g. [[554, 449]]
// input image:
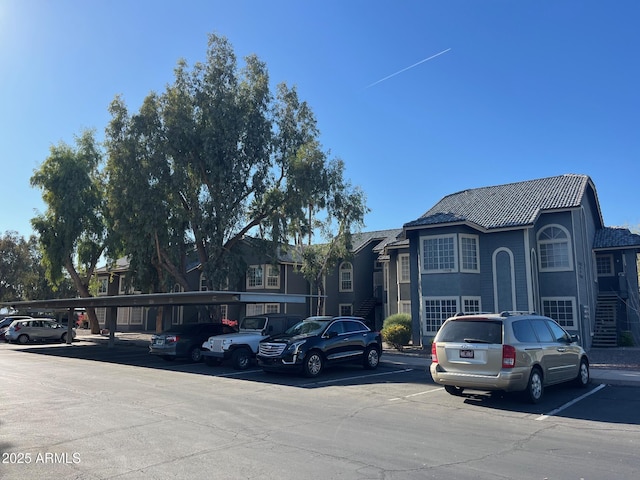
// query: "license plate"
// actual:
[[159, 341], [466, 353]]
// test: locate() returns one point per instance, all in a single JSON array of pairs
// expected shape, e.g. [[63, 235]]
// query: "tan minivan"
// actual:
[[508, 352]]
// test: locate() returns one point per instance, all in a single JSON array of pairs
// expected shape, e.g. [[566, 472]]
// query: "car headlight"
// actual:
[[226, 343], [294, 348]]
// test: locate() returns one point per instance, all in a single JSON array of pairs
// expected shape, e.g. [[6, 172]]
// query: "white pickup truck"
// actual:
[[241, 347]]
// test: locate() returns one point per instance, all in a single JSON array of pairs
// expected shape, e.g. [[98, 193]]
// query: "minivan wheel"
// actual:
[[63, 338], [582, 380], [535, 388], [22, 339], [453, 390]]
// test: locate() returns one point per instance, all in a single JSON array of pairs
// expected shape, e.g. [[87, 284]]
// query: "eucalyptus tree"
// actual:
[[72, 231], [215, 157]]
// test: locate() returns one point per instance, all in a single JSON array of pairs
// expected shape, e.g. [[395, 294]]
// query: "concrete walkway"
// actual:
[[612, 366]]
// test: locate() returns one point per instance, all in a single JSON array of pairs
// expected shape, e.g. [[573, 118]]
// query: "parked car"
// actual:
[[185, 340], [7, 321], [241, 347], [508, 352], [318, 341], [37, 329]]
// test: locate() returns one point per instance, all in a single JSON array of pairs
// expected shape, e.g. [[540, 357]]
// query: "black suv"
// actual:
[[318, 341]]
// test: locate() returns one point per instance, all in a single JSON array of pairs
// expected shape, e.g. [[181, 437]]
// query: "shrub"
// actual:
[[626, 339], [403, 319], [396, 335]]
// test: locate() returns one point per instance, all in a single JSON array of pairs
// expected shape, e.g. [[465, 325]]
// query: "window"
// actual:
[[203, 283], [273, 276], [346, 277], [272, 308], [103, 285], [403, 268], [437, 310], [255, 277], [404, 306], [471, 305], [604, 265], [439, 254], [555, 249], [346, 309], [224, 311], [469, 253], [253, 309], [561, 309]]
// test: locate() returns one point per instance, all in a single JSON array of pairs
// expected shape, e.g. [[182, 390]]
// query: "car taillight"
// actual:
[[434, 353], [508, 356], [172, 338]]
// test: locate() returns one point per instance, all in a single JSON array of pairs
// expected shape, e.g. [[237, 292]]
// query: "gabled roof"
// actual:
[[611, 238], [511, 205], [382, 237]]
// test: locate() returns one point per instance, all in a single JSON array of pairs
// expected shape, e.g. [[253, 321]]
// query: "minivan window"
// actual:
[[543, 333], [559, 334], [471, 331], [523, 331]]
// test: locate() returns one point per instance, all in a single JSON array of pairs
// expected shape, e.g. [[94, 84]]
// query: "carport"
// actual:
[[112, 302]]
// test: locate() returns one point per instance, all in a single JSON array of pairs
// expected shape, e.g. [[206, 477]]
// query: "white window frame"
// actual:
[[404, 306], [224, 311], [272, 276], [467, 301], [454, 251], [476, 252], [570, 324], [252, 309], [345, 309], [103, 286], [346, 285], [203, 283], [554, 242], [252, 277], [609, 260], [432, 323], [404, 268]]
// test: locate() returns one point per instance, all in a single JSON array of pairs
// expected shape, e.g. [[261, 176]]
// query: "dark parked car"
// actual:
[[318, 341], [185, 340]]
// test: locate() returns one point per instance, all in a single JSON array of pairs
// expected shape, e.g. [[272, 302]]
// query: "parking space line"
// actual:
[[417, 394], [568, 404], [338, 380]]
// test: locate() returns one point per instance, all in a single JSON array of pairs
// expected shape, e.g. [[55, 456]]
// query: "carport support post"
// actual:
[[113, 321], [70, 325]]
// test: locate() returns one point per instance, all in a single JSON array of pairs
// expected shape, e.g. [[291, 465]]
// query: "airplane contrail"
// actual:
[[409, 67]]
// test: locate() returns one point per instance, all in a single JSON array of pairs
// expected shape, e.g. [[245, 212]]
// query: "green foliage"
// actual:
[[396, 335], [72, 231], [215, 158], [626, 339], [398, 319]]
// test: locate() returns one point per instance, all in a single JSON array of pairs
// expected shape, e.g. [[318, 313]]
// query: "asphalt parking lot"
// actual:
[[122, 413]]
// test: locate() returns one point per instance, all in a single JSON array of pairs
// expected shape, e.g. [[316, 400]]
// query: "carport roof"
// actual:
[[160, 299]]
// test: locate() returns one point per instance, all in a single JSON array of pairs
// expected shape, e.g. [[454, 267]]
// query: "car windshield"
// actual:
[[307, 327], [472, 331], [253, 323]]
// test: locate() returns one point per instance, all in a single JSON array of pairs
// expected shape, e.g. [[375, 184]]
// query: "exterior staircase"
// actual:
[[606, 332], [365, 308]]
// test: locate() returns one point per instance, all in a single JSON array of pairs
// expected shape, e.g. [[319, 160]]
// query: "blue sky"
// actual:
[[523, 89]]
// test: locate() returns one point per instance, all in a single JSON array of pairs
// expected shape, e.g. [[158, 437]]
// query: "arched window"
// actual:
[[346, 277], [554, 247]]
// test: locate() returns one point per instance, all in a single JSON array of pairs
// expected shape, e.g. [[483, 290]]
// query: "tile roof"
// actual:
[[510, 205], [615, 237]]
